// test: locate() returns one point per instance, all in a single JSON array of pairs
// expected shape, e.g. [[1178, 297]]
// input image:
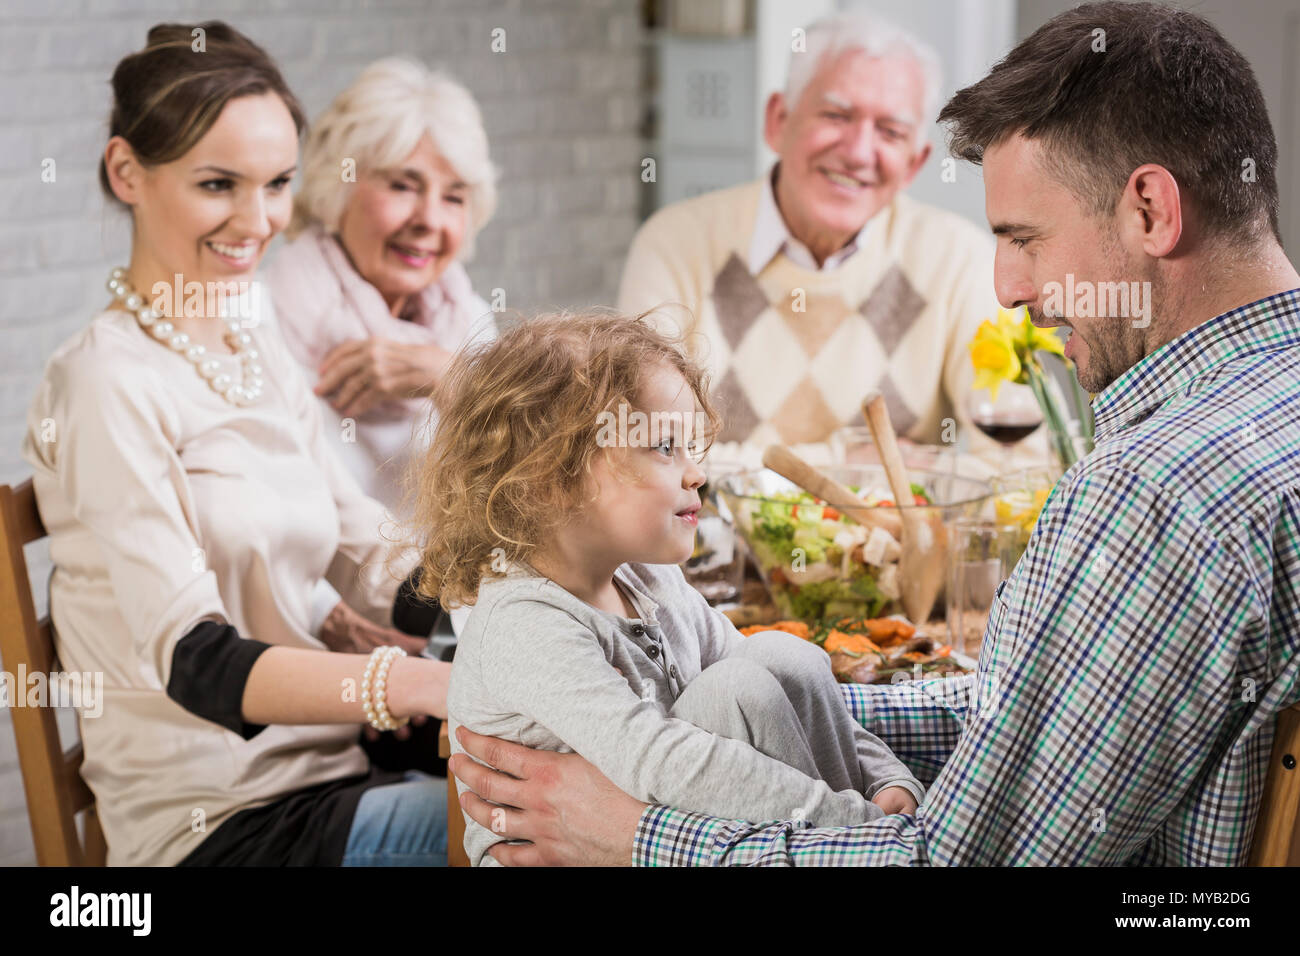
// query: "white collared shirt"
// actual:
[[772, 236]]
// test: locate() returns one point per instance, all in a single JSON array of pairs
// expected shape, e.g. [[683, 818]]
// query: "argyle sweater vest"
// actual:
[[791, 352]]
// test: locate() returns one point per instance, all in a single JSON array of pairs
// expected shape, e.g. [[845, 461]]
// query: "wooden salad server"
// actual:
[[923, 566], [790, 466]]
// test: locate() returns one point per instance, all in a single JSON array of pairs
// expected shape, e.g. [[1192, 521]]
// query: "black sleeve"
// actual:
[[413, 614], [210, 667]]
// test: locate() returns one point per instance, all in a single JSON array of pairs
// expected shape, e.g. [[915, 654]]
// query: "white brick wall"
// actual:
[[561, 105]]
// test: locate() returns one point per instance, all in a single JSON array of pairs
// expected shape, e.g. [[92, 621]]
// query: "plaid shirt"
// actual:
[[1123, 708]]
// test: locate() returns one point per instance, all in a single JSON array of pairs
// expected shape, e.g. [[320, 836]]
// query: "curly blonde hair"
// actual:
[[511, 457]]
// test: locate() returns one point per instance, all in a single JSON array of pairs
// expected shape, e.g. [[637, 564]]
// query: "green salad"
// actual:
[[818, 564]]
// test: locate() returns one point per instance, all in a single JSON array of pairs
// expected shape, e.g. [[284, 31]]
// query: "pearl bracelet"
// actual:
[[374, 702]]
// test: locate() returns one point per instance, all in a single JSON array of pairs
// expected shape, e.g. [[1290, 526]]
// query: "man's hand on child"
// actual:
[[895, 800], [567, 810]]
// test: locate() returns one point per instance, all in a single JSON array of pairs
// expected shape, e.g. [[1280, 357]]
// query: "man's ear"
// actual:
[[918, 161], [774, 118], [124, 170], [1150, 211]]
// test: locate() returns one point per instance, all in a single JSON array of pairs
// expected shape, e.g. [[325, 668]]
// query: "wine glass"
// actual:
[[1012, 417]]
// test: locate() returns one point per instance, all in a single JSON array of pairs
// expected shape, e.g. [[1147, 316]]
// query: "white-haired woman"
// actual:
[[372, 296]]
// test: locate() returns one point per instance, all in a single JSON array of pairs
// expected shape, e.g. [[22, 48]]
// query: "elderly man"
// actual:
[[807, 288], [1135, 661], [820, 281]]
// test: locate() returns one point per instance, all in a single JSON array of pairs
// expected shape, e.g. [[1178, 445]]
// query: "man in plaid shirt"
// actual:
[[1135, 661]]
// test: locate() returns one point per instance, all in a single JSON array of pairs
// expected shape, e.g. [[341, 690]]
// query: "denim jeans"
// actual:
[[402, 824]]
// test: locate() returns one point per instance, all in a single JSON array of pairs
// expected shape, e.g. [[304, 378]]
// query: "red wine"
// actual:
[[1008, 433]]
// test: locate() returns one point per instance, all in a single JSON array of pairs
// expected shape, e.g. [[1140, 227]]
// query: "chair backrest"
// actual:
[[51, 778], [1277, 842]]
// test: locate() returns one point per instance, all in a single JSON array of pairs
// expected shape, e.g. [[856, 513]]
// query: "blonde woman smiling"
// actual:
[[193, 500], [371, 294]]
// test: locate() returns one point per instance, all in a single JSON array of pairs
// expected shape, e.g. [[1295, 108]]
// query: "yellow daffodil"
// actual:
[[1003, 350], [994, 355], [1045, 339], [1010, 321]]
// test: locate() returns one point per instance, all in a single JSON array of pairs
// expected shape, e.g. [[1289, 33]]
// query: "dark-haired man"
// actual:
[[1136, 659]]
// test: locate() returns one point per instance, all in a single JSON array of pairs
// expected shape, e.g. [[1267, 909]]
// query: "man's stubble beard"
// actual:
[[1114, 344]]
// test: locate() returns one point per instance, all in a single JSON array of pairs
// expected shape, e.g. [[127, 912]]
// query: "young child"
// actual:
[[558, 496]]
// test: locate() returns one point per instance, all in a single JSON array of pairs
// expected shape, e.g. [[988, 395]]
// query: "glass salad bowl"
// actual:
[[819, 565]]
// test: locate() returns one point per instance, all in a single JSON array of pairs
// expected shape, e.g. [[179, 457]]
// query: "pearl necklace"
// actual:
[[209, 368]]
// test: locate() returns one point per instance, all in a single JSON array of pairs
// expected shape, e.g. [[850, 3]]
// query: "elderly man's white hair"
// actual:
[[877, 37]]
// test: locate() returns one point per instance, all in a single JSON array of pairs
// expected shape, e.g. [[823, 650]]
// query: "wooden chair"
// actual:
[[456, 855], [51, 778], [1277, 830]]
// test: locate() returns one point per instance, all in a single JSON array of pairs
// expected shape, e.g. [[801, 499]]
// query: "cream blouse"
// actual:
[[166, 507]]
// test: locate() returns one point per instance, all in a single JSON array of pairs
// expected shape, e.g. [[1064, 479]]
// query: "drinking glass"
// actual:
[[854, 445], [1019, 496], [982, 553], [1014, 416]]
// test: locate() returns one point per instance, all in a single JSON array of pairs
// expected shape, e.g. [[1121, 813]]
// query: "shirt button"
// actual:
[[638, 629], [672, 672], [653, 650]]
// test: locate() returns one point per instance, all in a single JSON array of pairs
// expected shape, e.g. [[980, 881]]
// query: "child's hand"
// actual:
[[895, 800]]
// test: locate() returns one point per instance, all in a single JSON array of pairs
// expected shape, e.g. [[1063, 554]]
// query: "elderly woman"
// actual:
[[193, 499], [371, 294]]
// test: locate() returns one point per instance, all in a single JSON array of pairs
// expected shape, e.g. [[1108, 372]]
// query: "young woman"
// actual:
[[193, 503]]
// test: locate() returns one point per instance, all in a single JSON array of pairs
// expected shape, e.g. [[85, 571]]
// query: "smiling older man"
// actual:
[[809, 287], [1136, 660]]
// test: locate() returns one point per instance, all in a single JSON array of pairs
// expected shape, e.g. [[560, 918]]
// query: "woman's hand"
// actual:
[[360, 374], [346, 631], [401, 733], [895, 800], [418, 689]]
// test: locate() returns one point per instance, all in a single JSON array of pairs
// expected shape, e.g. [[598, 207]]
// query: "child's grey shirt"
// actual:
[[536, 665]]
